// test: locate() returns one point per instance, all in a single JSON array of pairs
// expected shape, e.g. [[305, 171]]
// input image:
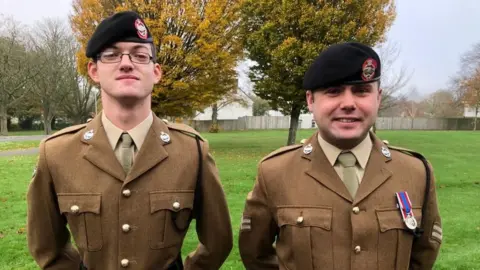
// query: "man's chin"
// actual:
[[349, 138]]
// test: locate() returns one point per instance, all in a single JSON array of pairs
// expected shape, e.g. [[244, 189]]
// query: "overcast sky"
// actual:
[[432, 34]]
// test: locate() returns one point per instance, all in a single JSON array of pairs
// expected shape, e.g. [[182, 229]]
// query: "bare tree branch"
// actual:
[[393, 81]]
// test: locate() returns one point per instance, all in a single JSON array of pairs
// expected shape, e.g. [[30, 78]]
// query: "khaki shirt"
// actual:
[[361, 152], [300, 215], [137, 133]]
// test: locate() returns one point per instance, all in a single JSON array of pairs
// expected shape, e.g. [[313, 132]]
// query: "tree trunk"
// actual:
[[214, 126], [214, 114], [3, 120], [292, 131], [47, 121], [475, 118]]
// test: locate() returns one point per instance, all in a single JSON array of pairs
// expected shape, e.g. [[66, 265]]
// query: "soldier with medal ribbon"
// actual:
[[342, 199]]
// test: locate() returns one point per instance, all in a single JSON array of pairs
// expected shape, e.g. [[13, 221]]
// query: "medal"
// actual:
[[411, 222], [405, 206]]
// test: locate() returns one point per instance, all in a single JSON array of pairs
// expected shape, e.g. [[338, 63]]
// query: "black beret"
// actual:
[[126, 26], [343, 63]]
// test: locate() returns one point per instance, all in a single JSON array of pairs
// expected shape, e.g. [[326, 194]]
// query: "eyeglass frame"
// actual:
[[150, 58]]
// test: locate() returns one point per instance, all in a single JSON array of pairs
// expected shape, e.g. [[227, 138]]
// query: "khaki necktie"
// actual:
[[348, 161], [126, 152]]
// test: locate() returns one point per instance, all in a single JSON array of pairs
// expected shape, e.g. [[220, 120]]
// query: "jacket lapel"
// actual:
[[319, 168], [99, 151], [376, 171], [152, 152]]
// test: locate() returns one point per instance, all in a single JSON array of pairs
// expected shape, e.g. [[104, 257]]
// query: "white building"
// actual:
[[231, 111], [470, 111], [234, 111]]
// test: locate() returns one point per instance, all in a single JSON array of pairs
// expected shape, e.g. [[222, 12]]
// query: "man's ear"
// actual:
[[93, 71], [310, 100], [157, 70]]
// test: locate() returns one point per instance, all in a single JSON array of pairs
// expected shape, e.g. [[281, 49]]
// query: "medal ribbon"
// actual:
[[405, 204]]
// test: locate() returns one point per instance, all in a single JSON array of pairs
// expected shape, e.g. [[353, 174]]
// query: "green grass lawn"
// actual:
[[237, 154], [6, 146]]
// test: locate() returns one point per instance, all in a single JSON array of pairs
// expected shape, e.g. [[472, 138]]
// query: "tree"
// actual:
[[16, 69], [79, 102], [471, 95], [467, 81], [231, 97], [53, 44], [260, 107], [196, 41], [392, 81], [410, 106], [284, 37], [441, 103]]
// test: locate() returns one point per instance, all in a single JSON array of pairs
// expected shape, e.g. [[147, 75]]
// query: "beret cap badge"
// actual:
[[368, 69], [141, 29]]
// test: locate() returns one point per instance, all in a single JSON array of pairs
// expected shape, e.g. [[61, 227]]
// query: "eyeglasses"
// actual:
[[116, 57]]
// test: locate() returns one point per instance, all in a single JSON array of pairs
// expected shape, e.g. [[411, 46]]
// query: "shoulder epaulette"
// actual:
[[66, 130], [407, 151], [282, 150], [184, 129]]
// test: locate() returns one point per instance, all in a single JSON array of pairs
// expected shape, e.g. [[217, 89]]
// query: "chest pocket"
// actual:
[[305, 237], [171, 212], [394, 239], [82, 211]]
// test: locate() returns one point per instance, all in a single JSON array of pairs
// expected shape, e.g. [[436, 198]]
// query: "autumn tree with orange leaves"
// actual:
[[197, 42]]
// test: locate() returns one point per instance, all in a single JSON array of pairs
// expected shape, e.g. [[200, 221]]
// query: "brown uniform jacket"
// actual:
[[300, 205], [138, 220]]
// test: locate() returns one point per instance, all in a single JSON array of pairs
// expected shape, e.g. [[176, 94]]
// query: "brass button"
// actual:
[[75, 209], [176, 205], [125, 227], [126, 192], [358, 249], [300, 220], [124, 263], [356, 210]]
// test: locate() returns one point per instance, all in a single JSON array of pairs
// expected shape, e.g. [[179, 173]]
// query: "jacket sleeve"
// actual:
[[48, 237], [213, 224], [258, 229], [426, 248]]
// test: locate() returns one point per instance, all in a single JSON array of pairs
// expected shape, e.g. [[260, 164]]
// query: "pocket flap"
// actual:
[[171, 200], [391, 219], [305, 216], [76, 203]]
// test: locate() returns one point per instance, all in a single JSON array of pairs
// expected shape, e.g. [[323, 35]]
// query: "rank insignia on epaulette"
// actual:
[[405, 207]]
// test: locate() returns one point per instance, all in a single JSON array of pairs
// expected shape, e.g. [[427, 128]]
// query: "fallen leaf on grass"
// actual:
[[21, 230], [3, 199], [1, 235]]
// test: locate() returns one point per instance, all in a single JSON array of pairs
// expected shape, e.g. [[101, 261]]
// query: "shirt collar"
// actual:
[[361, 151], [137, 133]]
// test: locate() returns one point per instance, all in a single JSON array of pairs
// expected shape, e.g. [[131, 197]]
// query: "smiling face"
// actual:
[[126, 80], [344, 114]]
